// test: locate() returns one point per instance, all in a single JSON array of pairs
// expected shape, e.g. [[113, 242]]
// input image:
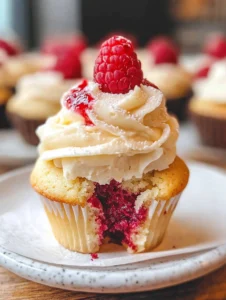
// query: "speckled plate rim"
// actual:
[[116, 279]]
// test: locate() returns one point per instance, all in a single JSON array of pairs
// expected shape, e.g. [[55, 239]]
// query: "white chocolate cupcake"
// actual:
[[108, 164]]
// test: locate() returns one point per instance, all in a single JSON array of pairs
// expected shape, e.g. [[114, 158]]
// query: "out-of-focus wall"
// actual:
[[54, 17], [5, 16]]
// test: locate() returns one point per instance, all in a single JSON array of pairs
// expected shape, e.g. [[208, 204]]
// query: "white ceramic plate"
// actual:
[[13, 150], [135, 277]]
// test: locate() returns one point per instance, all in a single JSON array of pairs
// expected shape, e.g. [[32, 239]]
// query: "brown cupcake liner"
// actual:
[[179, 106], [27, 128], [4, 122], [212, 130]]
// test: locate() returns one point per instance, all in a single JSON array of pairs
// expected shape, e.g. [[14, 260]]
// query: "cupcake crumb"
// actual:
[[94, 256]]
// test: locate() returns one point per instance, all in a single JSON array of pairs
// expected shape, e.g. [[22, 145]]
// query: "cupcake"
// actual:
[[7, 49], [38, 95], [37, 98], [24, 64], [108, 166], [208, 106], [172, 79]]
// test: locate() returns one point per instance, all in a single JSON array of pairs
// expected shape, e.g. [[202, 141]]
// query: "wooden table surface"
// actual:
[[212, 287]]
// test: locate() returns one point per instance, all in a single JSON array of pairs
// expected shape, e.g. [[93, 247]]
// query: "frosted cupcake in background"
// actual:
[[208, 106], [24, 64], [7, 50], [38, 95], [214, 49], [108, 165], [165, 71]]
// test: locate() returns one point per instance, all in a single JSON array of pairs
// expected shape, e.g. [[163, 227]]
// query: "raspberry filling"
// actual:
[[80, 100], [120, 217]]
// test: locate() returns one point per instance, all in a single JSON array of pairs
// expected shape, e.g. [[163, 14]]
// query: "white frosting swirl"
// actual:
[[213, 87], [47, 86], [38, 95], [172, 79], [132, 135]]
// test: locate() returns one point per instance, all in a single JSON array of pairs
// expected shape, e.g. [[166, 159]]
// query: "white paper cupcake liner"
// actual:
[[150, 234], [74, 227], [77, 229]]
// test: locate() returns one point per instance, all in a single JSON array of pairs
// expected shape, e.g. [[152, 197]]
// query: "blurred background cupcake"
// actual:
[[7, 49], [163, 69], [24, 64], [208, 106], [38, 95]]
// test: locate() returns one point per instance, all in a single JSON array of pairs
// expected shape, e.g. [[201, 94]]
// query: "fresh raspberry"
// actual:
[[203, 72], [163, 50], [117, 68], [9, 48], [148, 83], [68, 63], [127, 35], [80, 100], [216, 46]]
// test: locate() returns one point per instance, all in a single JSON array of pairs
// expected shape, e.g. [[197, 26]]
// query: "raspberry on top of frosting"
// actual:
[[163, 50], [10, 48], [216, 46], [68, 63], [117, 68]]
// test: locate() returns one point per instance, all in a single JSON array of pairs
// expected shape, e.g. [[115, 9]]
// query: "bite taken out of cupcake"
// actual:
[[38, 95], [164, 70], [108, 165], [208, 106]]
